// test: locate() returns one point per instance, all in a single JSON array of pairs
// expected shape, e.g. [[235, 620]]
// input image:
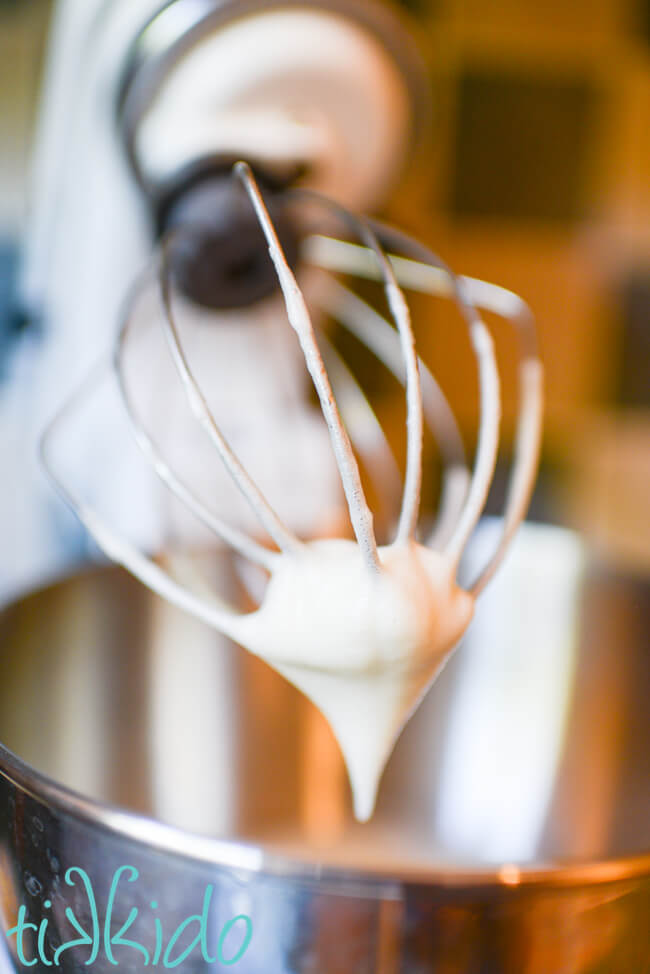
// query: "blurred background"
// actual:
[[537, 178]]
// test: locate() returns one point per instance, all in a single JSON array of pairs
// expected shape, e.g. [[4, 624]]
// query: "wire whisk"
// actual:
[[350, 608]]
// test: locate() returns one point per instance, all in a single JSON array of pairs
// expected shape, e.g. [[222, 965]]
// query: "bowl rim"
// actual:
[[247, 856]]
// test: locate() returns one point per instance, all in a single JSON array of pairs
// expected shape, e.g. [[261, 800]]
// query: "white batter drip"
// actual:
[[362, 630], [362, 645]]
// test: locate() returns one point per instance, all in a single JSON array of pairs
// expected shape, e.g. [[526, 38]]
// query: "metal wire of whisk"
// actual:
[[384, 617], [463, 495]]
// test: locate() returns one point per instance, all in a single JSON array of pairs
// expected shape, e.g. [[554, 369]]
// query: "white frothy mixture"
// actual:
[[363, 646]]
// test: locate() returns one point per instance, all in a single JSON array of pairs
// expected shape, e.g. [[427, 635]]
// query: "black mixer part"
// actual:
[[219, 257]]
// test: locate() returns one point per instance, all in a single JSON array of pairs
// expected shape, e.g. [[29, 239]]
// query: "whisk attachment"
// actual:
[[359, 627]]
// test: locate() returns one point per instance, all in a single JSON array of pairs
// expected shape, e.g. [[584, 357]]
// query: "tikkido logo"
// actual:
[[101, 937]]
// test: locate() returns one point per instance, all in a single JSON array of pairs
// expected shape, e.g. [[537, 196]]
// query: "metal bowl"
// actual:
[[513, 826]]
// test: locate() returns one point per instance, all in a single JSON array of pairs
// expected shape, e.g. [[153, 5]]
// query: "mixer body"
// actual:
[[145, 105]]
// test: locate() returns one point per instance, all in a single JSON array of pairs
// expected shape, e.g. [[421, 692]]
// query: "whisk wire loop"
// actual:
[[281, 535], [300, 320], [237, 540], [365, 430], [375, 332], [463, 496], [110, 542], [418, 268], [401, 316]]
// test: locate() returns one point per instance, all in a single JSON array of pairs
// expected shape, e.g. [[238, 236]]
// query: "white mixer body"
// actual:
[[297, 85]]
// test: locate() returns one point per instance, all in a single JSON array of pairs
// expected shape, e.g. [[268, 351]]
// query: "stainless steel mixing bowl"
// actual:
[[513, 828]]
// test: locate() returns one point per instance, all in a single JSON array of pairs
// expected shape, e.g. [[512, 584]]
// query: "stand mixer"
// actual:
[[167, 761], [279, 87]]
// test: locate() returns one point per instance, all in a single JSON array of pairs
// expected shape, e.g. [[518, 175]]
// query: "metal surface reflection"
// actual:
[[509, 707], [107, 691]]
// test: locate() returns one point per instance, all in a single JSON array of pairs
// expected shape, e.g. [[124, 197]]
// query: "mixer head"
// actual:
[[333, 96]]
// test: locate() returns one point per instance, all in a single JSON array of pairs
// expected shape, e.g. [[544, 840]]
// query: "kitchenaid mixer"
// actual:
[[279, 86], [285, 111]]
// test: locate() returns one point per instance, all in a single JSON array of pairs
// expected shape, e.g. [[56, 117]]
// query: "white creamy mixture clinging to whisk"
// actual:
[[361, 629]]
